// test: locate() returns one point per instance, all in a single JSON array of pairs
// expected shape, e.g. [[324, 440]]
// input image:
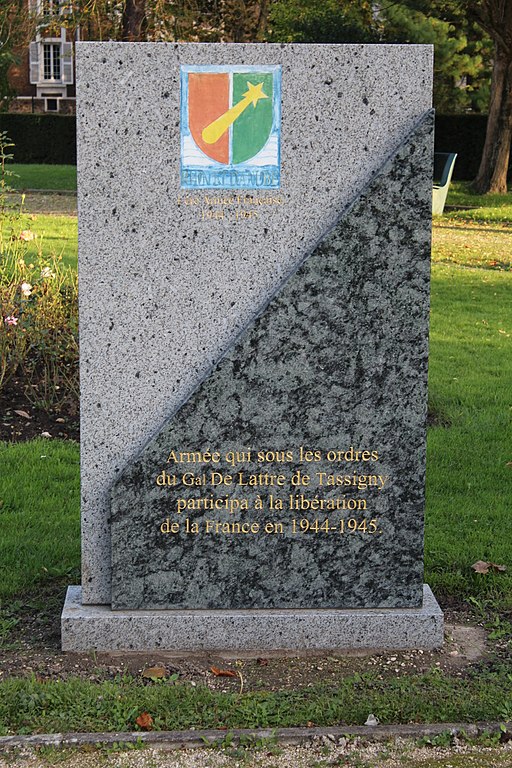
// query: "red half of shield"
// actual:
[[208, 99]]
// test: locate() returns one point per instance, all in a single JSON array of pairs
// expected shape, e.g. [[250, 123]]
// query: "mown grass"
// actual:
[[477, 234], [472, 244], [27, 706], [473, 207], [469, 478], [33, 176], [469, 487], [39, 514], [55, 234], [52, 235]]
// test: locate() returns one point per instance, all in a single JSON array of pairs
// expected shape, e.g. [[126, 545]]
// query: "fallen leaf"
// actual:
[[482, 566], [154, 672], [60, 421], [262, 662], [145, 721], [223, 672], [24, 414], [310, 724]]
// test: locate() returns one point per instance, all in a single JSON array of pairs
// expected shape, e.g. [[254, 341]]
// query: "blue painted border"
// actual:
[[219, 171]]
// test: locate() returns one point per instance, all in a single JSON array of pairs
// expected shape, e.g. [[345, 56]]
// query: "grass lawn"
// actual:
[[33, 176], [472, 244], [469, 488], [469, 477], [53, 235], [39, 512], [80, 705], [473, 207]]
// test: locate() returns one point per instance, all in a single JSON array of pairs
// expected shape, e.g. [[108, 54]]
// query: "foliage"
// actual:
[[6, 59], [462, 54], [468, 35], [14, 28], [494, 17], [39, 314], [329, 21], [27, 705], [42, 176], [162, 20], [42, 138]]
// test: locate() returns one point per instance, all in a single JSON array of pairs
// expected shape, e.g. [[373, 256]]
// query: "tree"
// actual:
[[325, 21], [134, 20], [465, 33], [163, 20], [14, 28], [494, 17], [461, 55]]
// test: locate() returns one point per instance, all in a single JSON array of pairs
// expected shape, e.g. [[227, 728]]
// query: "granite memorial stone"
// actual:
[[254, 275]]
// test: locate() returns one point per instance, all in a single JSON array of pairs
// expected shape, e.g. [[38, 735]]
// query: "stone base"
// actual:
[[97, 627]]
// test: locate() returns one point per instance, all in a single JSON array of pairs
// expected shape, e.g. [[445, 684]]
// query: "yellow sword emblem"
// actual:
[[215, 130]]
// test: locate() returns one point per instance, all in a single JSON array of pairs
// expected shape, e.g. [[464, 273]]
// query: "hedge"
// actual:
[[52, 139], [464, 134], [41, 138]]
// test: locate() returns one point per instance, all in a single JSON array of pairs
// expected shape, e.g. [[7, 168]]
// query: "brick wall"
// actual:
[[19, 75]]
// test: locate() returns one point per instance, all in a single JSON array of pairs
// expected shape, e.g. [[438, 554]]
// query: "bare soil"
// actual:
[[21, 419], [33, 647], [47, 201]]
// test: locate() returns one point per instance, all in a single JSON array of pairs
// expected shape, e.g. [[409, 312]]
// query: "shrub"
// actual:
[[39, 308], [42, 138]]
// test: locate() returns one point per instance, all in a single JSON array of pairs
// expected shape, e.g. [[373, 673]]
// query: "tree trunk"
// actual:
[[492, 174], [261, 26], [134, 20]]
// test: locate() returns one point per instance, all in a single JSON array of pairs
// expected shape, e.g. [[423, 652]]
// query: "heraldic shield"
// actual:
[[230, 127]]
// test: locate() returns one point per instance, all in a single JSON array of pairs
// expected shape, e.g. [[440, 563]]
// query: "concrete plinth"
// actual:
[[86, 627]]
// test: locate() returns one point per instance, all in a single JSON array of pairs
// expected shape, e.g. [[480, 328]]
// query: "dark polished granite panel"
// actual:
[[337, 362]]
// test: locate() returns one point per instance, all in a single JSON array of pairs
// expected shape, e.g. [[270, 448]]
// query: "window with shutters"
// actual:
[[51, 61], [51, 53]]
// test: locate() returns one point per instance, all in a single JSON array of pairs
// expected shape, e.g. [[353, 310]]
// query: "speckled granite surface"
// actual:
[[165, 290], [337, 362], [97, 627]]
